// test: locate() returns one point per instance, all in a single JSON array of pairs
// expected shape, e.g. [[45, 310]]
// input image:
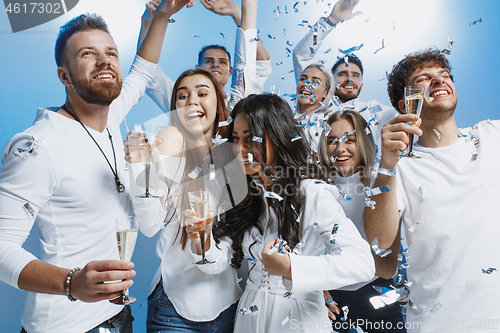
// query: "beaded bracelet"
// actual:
[[68, 281], [387, 172]]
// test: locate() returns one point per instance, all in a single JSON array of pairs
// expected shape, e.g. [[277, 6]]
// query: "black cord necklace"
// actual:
[[119, 186]]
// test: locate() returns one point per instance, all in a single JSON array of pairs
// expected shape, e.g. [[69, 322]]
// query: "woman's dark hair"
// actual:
[[192, 153], [270, 118], [398, 78]]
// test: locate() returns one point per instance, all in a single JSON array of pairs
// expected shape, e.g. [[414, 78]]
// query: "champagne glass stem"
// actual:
[[202, 239], [148, 171], [410, 146]]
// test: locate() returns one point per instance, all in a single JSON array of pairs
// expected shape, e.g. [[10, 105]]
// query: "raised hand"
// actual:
[[223, 8], [331, 305], [171, 7], [344, 9], [88, 285]]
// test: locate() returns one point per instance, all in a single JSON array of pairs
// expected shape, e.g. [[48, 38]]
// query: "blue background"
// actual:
[[29, 80]]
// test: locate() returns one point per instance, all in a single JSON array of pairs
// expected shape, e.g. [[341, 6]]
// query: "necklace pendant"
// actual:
[[119, 186]]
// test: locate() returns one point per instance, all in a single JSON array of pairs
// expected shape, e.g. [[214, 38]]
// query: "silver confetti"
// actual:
[[171, 20], [287, 319], [333, 234], [250, 310], [29, 209], [257, 139], [345, 310], [226, 122], [489, 270], [369, 203], [434, 309], [217, 140], [383, 46], [377, 190], [447, 49], [475, 22], [437, 134], [250, 158], [378, 251], [345, 196], [295, 138], [212, 171], [336, 251], [193, 174], [413, 227], [272, 195]]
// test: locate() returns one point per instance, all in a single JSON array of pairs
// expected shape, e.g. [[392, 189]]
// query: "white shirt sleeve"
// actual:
[[306, 49], [22, 195], [160, 90], [134, 86], [244, 75], [348, 260]]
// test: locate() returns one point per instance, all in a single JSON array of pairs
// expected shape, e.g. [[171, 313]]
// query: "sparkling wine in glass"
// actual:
[[147, 157], [414, 98], [275, 89], [198, 200], [127, 229]]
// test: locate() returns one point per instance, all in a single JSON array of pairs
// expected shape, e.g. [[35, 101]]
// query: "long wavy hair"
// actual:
[[270, 118], [192, 153], [364, 144]]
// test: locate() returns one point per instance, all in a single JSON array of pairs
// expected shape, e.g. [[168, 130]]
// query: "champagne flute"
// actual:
[[414, 98], [275, 89], [147, 158], [198, 200], [127, 229]]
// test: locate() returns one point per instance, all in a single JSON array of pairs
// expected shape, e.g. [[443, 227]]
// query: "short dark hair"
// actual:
[[397, 79], [350, 58], [80, 23], [209, 47]]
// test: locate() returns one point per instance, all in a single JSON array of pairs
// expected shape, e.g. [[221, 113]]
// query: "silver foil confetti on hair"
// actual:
[[226, 122], [377, 190], [250, 310], [193, 174], [257, 139], [295, 138], [250, 157], [29, 209], [434, 309], [272, 195], [378, 251], [217, 140]]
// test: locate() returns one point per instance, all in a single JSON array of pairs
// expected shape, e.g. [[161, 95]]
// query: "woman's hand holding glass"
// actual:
[[194, 225], [134, 144]]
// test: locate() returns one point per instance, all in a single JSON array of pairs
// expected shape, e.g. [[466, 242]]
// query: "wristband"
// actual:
[[387, 172], [68, 281]]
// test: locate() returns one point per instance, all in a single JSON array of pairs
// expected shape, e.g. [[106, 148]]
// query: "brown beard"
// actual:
[[343, 97], [99, 93], [437, 112]]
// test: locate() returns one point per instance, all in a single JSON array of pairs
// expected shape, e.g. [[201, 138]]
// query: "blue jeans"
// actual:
[[121, 323], [363, 314], [163, 318]]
